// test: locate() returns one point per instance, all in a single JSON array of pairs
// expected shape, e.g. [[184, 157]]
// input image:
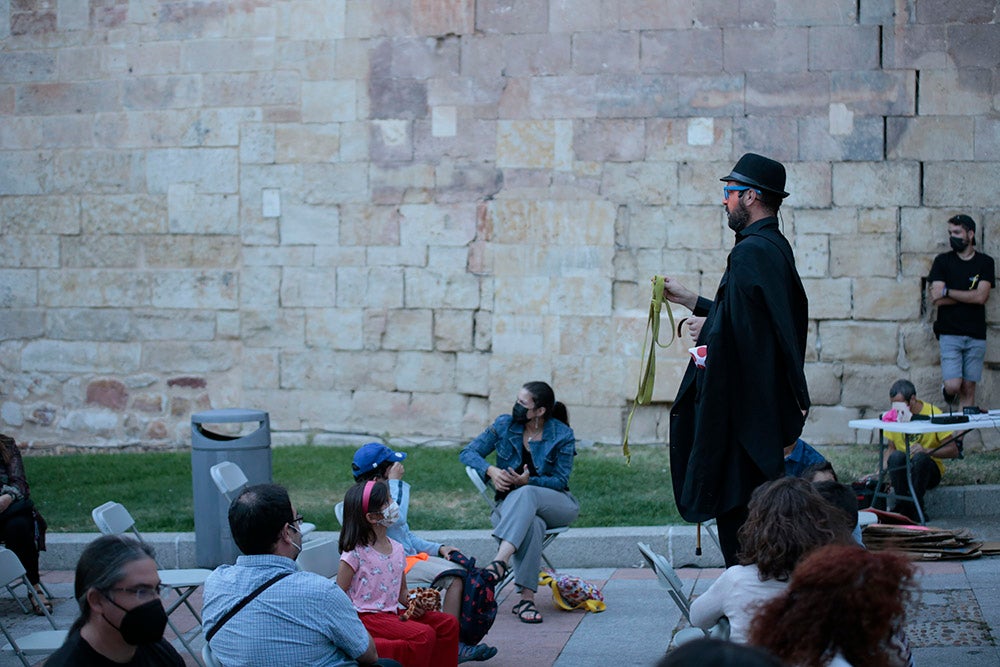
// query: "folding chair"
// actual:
[[321, 556], [113, 519], [675, 589], [338, 510], [486, 491], [230, 480], [12, 575]]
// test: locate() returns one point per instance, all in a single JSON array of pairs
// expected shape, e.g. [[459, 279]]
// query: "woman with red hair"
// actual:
[[844, 606]]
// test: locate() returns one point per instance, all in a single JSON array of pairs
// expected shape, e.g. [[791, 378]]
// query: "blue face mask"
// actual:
[[519, 415]]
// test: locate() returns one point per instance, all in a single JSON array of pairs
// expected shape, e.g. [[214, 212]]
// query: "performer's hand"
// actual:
[[395, 471], [445, 550], [522, 477], [677, 293], [694, 325]]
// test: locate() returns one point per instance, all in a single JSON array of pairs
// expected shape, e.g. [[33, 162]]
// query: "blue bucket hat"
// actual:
[[371, 456]]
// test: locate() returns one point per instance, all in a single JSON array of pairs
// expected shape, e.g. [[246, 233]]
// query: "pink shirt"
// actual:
[[377, 577]]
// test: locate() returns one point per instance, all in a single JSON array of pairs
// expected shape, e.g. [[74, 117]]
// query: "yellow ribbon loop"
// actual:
[[647, 372]]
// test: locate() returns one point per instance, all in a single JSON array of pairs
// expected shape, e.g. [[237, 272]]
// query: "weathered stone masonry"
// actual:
[[382, 216]]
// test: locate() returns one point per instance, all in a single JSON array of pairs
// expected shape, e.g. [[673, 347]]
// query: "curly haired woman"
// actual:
[[787, 519], [844, 606]]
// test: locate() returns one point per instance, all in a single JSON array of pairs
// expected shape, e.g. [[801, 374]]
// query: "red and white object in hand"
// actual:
[[699, 355]]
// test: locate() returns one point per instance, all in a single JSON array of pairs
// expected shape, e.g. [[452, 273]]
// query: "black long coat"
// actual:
[[731, 420]]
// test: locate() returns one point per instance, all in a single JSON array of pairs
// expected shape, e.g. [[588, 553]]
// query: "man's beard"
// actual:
[[738, 218]]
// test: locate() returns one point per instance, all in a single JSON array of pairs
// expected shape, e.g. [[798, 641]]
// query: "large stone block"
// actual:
[[695, 139], [80, 357], [526, 143], [366, 287], [334, 328], [329, 101], [162, 92], [605, 140], [472, 377], [829, 298], [29, 251], [366, 225], [303, 224], [192, 213], [194, 289], [974, 46], [100, 251], [924, 229], [40, 99], [682, 51], [987, 138], [859, 342], [602, 52], [712, 95], [25, 66], [75, 288], [827, 425], [434, 289], [19, 288], [443, 17], [841, 136], [899, 184], [812, 255], [511, 16], [868, 386], [20, 324], [118, 214], [212, 169], [620, 96], [453, 330], [810, 185], [760, 134], [863, 255], [824, 382], [920, 347], [766, 49], [959, 184], [409, 330], [536, 54], [437, 225], [825, 221], [99, 171], [425, 372], [967, 92], [407, 183], [886, 299], [837, 12], [930, 138], [649, 183], [160, 324], [844, 47], [795, 93], [325, 369], [249, 89], [942, 11], [308, 287]]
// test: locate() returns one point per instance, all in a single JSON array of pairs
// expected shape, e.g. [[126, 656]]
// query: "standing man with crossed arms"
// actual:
[[732, 420]]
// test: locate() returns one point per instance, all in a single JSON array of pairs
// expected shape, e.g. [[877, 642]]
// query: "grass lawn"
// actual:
[[156, 486]]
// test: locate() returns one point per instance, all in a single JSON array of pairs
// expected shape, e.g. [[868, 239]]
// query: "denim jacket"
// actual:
[[552, 455]]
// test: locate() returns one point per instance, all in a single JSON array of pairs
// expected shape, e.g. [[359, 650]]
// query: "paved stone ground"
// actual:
[[954, 621]]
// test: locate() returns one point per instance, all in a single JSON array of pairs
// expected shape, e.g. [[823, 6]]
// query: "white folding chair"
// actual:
[[321, 556], [486, 491], [208, 658], [12, 575], [675, 589], [338, 510], [113, 519], [230, 479]]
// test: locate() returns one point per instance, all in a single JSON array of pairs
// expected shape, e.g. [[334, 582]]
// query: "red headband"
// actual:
[[369, 485]]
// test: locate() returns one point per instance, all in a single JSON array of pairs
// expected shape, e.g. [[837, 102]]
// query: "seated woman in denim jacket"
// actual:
[[534, 448]]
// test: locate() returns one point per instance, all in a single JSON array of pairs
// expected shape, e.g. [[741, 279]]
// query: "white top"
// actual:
[[736, 594]]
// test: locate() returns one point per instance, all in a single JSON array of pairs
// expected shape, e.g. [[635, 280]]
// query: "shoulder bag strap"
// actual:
[[244, 602]]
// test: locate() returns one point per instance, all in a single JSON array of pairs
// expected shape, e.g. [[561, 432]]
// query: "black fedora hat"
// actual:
[[760, 172]]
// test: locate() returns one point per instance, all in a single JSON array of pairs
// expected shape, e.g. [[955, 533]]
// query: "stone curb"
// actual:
[[577, 548]]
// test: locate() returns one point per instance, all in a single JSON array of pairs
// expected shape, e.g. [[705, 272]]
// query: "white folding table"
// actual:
[[918, 427]]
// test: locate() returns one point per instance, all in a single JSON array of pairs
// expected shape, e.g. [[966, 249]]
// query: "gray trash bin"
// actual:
[[251, 451]]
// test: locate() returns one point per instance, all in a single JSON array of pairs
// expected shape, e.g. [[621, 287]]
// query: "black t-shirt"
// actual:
[[76, 652], [962, 319]]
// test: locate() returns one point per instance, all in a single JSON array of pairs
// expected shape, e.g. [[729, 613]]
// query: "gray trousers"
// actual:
[[522, 517]]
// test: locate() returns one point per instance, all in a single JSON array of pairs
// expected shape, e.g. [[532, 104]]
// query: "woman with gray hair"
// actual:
[[121, 618]]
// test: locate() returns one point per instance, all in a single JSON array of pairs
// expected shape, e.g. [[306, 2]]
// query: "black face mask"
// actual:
[[519, 415], [957, 244], [143, 624]]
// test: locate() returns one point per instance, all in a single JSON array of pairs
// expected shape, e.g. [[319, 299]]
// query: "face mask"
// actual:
[[519, 415], [143, 624], [390, 514], [957, 244]]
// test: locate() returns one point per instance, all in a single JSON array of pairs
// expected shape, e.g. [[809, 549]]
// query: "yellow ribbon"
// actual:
[[647, 373]]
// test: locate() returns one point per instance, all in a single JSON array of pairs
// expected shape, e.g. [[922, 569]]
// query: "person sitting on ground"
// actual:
[[819, 472], [372, 574], [708, 652], [300, 619], [121, 617], [534, 448], [425, 559], [844, 606], [787, 519], [842, 497], [22, 528], [799, 456], [927, 451]]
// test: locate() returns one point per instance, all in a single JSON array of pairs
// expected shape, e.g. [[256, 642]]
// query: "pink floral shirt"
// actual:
[[377, 577]]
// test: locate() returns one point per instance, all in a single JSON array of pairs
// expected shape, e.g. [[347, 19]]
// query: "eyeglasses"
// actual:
[[726, 189], [296, 523], [142, 593]]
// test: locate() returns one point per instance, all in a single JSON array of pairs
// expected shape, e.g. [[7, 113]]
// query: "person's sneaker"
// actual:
[[477, 653]]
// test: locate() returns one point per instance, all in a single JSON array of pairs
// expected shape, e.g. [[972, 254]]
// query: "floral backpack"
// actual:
[[569, 592]]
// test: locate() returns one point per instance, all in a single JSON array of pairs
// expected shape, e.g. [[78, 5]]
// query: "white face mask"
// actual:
[[390, 514]]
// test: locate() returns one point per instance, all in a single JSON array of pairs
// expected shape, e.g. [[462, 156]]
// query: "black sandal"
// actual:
[[498, 569], [527, 607]]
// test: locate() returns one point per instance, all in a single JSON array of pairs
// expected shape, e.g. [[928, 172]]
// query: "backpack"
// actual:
[[479, 605], [569, 592]]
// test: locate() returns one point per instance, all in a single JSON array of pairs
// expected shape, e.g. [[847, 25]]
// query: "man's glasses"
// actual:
[[296, 523], [142, 593], [726, 189]]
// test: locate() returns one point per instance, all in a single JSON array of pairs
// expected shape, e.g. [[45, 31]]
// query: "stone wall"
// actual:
[[382, 216]]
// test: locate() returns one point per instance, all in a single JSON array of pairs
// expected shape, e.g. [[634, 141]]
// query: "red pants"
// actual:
[[428, 641]]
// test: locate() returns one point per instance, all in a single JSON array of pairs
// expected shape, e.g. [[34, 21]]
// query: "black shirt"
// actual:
[[76, 652], [962, 319]]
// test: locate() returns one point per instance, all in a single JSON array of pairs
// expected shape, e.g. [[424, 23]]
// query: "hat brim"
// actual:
[[746, 180]]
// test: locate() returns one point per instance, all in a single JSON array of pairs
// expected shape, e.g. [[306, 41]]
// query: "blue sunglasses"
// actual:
[[726, 189]]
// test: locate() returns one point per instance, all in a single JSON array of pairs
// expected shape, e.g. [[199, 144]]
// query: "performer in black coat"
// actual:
[[732, 419]]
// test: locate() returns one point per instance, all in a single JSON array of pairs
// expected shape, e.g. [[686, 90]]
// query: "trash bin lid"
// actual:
[[228, 416]]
